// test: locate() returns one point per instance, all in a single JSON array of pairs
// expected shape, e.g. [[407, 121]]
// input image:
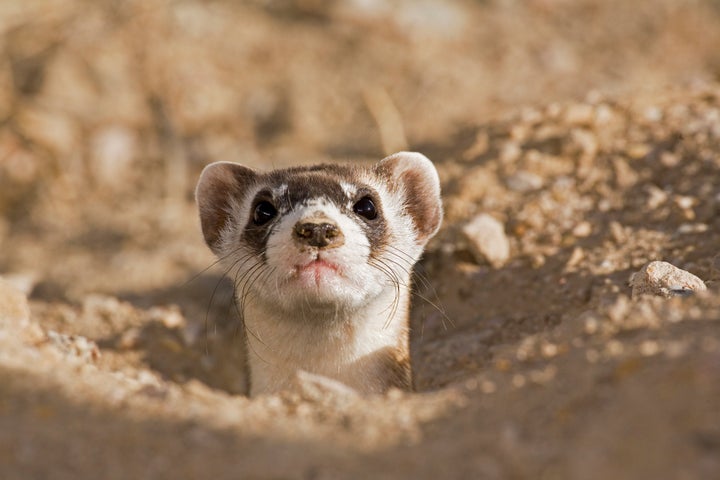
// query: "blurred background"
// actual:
[[110, 108]]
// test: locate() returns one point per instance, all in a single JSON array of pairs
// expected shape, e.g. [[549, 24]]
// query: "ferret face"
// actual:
[[319, 238]]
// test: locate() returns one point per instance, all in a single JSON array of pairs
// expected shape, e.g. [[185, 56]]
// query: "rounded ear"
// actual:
[[219, 183], [415, 176]]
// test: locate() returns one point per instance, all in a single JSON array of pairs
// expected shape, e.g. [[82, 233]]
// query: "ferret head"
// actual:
[[324, 237]]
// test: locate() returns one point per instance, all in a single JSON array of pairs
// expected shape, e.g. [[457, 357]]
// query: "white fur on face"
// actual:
[[275, 281], [349, 189], [350, 282]]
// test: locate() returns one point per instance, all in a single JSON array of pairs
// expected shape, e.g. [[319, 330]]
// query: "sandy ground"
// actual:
[[589, 130]]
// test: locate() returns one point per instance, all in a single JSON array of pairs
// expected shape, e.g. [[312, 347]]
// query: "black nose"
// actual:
[[320, 234]]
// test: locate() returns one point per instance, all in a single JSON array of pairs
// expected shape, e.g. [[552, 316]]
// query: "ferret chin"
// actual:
[[322, 259]]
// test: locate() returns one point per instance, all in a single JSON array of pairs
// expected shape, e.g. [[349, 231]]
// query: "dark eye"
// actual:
[[264, 212], [365, 208]]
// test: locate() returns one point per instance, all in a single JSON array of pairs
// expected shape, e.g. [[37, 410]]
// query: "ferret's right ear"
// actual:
[[416, 175], [219, 183]]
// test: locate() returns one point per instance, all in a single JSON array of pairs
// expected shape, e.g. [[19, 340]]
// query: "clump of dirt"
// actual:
[[123, 357]]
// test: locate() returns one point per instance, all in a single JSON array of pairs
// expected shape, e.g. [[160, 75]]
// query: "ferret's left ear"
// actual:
[[416, 176]]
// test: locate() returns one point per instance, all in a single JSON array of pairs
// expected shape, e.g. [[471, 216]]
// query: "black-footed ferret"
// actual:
[[321, 258]]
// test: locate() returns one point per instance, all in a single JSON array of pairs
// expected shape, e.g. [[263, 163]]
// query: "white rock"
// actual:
[[524, 182], [579, 114], [113, 151], [14, 308], [487, 240], [15, 321], [318, 389], [23, 281], [582, 229], [510, 152], [665, 280], [53, 130], [74, 345]]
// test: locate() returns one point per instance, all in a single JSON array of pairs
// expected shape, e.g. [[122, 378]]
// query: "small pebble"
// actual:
[[591, 326], [25, 282], [656, 197], [510, 152], [487, 240], [576, 257], [653, 114], [648, 348], [669, 159], [582, 229], [543, 375], [614, 348], [488, 387], [665, 280], [319, 389], [618, 232], [579, 114], [549, 350], [74, 345], [687, 228], [638, 151], [524, 182], [684, 202], [604, 114], [130, 339], [13, 304], [171, 317], [518, 380]]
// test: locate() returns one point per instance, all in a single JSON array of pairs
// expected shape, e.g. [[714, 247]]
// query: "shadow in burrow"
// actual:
[[462, 316], [209, 346]]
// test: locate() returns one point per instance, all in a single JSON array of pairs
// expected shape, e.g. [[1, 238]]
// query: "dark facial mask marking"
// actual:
[[305, 185]]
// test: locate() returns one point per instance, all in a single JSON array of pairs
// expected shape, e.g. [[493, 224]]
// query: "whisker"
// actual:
[[212, 296], [216, 262], [390, 274], [436, 307], [411, 265], [248, 279], [426, 284], [261, 276], [249, 345], [245, 282]]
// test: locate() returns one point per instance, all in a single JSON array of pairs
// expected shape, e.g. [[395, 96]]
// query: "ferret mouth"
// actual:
[[317, 270]]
